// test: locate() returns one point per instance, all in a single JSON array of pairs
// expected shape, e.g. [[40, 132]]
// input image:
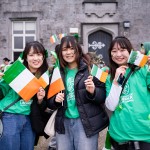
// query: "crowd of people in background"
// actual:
[[81, 106]]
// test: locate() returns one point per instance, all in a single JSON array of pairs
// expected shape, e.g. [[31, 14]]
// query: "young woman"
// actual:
[[80, 114], [130, 122], [18, 134]]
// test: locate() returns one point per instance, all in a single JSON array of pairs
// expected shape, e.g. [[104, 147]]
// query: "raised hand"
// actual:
[[89, 84], [119, 71], [59, 97], [40, 95]]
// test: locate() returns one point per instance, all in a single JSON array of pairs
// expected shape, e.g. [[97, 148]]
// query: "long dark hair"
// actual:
[[125, 44], [67, 41], [38, 48]]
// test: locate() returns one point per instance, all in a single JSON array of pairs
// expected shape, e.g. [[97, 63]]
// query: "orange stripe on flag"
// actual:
[[51, 40], [55, 87], [103, 77], [30, 89], [143, 61], [42, 82]]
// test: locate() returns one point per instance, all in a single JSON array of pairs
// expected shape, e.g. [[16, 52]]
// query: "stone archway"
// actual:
[[102, 33], [99, 42]]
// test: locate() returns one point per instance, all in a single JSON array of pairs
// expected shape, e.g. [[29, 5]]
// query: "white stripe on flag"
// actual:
[[138, 59], [99, 73], [46, 77], [56, 75], [23, 79]]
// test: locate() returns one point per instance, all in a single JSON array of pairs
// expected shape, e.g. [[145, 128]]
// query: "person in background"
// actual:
[[80, 115], [145, 49], [2, 66], [52, 142], [129, 127], [18, 133], [6, 61]]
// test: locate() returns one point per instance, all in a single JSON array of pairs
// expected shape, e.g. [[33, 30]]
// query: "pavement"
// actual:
[[43, 143]]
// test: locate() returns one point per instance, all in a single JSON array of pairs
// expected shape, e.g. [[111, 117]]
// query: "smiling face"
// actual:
[[69, 55], [35, 60], [119, 55]]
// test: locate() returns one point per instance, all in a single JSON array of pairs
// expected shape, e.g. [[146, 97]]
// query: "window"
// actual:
[[22, 33]]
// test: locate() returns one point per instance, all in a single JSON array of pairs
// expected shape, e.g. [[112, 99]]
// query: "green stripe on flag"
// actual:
[[94, 70], [133, 57], [16, 68], [55, 37]]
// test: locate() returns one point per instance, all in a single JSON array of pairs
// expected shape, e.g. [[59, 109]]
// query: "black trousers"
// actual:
[[132, 145]]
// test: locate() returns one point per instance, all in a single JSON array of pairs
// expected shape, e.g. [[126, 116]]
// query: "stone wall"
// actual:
[[57, 16]]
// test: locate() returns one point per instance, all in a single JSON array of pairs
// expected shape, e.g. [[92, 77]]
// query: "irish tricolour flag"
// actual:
[[22, 80], [99, 73], [56, 84], [62, 35], [53, 38], [137, 58], [44, 79]]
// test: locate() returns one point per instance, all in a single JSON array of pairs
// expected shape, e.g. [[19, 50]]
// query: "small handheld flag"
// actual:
[[53, 39], [22, 80], [44, 79], [99, 73], [137, 58], [56, 84], [61, 35]]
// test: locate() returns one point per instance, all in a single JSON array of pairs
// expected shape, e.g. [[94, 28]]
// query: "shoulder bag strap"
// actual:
[[11, 104], [126, 79]]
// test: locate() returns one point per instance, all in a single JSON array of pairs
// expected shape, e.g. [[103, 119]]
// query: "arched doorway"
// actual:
[[99, 42]]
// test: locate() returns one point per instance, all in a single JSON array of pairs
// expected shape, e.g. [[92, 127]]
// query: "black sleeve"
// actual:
[[38, 117], [100, 91]]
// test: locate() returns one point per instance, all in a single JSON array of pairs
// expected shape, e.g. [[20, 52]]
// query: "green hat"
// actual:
[[146, 47]]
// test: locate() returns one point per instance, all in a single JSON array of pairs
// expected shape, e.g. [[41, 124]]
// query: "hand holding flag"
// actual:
[[22, 80], [137, 58], [40, 95], [99, 73], [90, 87], [60, 97], [56, 84]]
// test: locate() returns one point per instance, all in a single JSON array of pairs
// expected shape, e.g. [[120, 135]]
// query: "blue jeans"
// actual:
[[75, 137], [17, 133]]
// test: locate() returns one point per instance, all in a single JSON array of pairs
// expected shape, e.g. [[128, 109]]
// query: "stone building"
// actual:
[[96, 21]]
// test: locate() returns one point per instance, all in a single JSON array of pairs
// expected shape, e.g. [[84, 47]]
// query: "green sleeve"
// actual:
[[4, 88], [148, 79], [108, 85]]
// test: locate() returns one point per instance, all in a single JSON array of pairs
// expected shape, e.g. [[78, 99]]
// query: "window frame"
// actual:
[[24, 35]]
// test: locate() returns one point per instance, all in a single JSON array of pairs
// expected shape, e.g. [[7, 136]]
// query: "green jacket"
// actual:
[[131, 119], [8, 95]]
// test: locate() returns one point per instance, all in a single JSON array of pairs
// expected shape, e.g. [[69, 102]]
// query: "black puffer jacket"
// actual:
[[92, 114]]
